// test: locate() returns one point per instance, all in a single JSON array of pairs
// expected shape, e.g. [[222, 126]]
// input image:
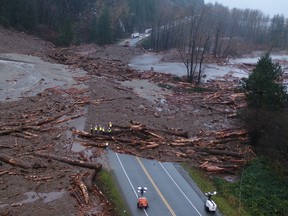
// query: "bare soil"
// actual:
[[46, 123]]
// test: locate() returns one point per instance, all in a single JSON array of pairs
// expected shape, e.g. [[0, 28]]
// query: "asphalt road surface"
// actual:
[[170, 192]]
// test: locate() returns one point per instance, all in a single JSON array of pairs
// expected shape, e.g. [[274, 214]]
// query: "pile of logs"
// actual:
[[31, 126], [95, 66], [225, 153]]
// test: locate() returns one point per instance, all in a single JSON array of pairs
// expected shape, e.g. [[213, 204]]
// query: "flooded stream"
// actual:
[[212, 71], [25, 76]]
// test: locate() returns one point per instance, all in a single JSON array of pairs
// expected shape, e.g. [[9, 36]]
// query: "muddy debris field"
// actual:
[[49, 157]]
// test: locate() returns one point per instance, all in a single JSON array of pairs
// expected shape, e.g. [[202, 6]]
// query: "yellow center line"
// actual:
[[156, 188]]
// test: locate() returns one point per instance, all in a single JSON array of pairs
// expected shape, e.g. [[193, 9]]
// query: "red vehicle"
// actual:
[[142, 202]]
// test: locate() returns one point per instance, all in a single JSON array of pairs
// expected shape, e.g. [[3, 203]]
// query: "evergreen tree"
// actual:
[[263, 88], [93, 30], [66, 34], [265, 118], [104, 28]]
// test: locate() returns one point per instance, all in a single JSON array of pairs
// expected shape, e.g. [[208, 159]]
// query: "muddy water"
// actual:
[[151, 60], [212, 71], [24, 76], [254, 59]]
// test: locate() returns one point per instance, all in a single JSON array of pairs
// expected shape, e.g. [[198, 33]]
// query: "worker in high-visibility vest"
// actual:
[[109, 127], [96, 129], [91, 129], [106, 146]]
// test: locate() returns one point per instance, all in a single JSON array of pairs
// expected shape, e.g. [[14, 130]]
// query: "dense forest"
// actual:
[[176, 23]]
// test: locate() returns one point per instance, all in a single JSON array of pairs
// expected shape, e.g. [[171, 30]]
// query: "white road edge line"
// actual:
[[129, 180], [179, 188]]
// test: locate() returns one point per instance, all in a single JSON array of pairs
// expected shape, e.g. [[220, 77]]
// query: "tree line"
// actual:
[[226, 28], [72, 21], [52, 19], [213, 28], [175, 23]]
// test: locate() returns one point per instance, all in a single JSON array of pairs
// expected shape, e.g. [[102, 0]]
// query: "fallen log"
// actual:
[[238, 161], [229, 140], [181, 154], [176, 133], [230, 103], [211, 168], [191, 140], [22, 135], [214, 95], [215, 168], [67, 160], [212, 108], [110, 138], [220, 152], [4, 146], [169, 131], [14, 162], [90, 179], [82, 187], [69, 118], [178, 144], [3, 173], [75, 193], [48, 120], [151, 146], [155, 135], [100, 145], [39, 178], [35, 128], [30, 134], [223, 134], [185, 142], [10, 130]]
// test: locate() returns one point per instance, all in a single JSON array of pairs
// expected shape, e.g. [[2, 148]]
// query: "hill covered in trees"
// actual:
[[74, 21], [175, 23]]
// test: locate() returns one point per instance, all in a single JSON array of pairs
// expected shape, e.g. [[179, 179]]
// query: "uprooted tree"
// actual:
[[266, 113]]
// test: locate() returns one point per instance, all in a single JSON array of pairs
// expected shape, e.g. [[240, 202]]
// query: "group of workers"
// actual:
[[98, 129]]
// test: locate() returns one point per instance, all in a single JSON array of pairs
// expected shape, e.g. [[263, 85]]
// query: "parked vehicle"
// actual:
[[126, 43], [135, 35], [148, 31], [210, 205], [142, 202]]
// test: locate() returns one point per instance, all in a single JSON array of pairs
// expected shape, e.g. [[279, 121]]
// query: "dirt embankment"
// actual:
[[45, 138]]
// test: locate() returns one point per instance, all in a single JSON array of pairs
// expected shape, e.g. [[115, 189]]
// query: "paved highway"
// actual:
[[169, 191]]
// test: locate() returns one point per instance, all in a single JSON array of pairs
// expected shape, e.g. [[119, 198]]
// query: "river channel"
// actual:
[[230, 69]]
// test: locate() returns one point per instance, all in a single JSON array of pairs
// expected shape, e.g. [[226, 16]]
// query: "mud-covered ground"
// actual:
[[38, 141]]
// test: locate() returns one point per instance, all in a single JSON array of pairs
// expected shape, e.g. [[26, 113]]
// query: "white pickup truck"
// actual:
[[135, 35]]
